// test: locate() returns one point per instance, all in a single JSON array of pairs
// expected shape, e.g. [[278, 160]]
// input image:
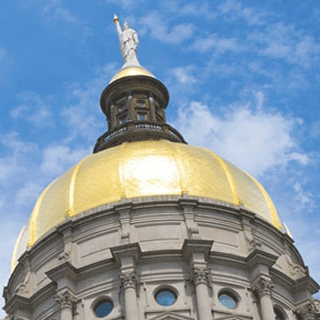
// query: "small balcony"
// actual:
[[137, 131]]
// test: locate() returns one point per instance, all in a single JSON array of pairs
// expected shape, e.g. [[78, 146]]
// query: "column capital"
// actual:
[[201, 275], [65, 300], [310, 310], [264, 286], [128, 280]]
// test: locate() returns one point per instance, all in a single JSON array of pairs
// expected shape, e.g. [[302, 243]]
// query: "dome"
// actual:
[[140, 169], [131, 71]]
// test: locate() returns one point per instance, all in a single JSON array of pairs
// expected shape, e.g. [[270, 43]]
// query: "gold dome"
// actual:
[[131, 71], [137, 169]]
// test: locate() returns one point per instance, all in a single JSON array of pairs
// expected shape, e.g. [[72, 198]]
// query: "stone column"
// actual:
[[129, 285], [113, 116], [197, 252], [259, 263], [201, 283], [152, 109], [127, 256], [130, 107], [66, 301], [264, 288]]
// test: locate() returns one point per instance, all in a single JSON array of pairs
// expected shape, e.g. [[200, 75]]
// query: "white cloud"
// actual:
[[315, 129], [33, 109], [57, 159], [184, 75], [28, 194], [3, 54], [54, 9], [252, 139], [12, 165], [127, 3], [217, 44], [189, 9], [83, 115], [234, 10], [160, 30], [284, 41]]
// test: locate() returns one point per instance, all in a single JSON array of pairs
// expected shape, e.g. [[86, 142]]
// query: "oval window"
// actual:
[[228, 300], [103, 308]]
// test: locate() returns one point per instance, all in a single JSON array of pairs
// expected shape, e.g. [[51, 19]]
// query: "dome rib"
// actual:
[[71, 211], [235, 196], [275, 217], [34, 215], [122, 176], [182, 180]]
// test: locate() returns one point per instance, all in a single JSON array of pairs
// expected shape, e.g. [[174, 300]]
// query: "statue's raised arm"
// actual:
[[128, 43]]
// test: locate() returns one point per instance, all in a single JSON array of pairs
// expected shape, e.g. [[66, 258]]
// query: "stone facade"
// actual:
[[127, 252]]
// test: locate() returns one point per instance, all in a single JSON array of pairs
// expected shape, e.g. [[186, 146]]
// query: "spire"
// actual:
[[134, 102]]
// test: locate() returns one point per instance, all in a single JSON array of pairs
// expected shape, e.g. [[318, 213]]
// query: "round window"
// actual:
[[166, 297], [103, 308], [228, 300], [278, 315]]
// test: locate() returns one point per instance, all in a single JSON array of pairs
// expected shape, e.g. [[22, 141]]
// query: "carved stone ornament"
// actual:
[[128, 280], [310, 311], [65, 300], [297, 271], [200, 276], [23, 287], [264, 286]]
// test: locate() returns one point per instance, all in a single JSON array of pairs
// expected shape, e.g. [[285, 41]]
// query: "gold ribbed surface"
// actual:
[[131, 71], [137, 169]]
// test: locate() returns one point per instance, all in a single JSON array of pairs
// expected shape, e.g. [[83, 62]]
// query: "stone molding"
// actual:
[[126, 250], [171, 315], [191, 246], [260, 257]]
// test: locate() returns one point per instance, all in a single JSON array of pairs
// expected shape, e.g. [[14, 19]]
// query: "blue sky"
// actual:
[[243, 77]]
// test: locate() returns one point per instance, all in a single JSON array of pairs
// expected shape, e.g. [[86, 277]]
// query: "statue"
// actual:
[[128, 43]]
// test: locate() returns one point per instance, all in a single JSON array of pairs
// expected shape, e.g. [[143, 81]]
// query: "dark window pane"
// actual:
[[227, 301], [103, 308], [166, 297]]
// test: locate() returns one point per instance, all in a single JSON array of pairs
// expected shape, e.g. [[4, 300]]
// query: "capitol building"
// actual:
[[151, 228]]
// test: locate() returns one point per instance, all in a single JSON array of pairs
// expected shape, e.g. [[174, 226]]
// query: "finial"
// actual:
[[128, 43]]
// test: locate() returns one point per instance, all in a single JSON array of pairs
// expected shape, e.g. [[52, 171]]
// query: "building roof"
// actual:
[[139, 169], [131, 71]]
